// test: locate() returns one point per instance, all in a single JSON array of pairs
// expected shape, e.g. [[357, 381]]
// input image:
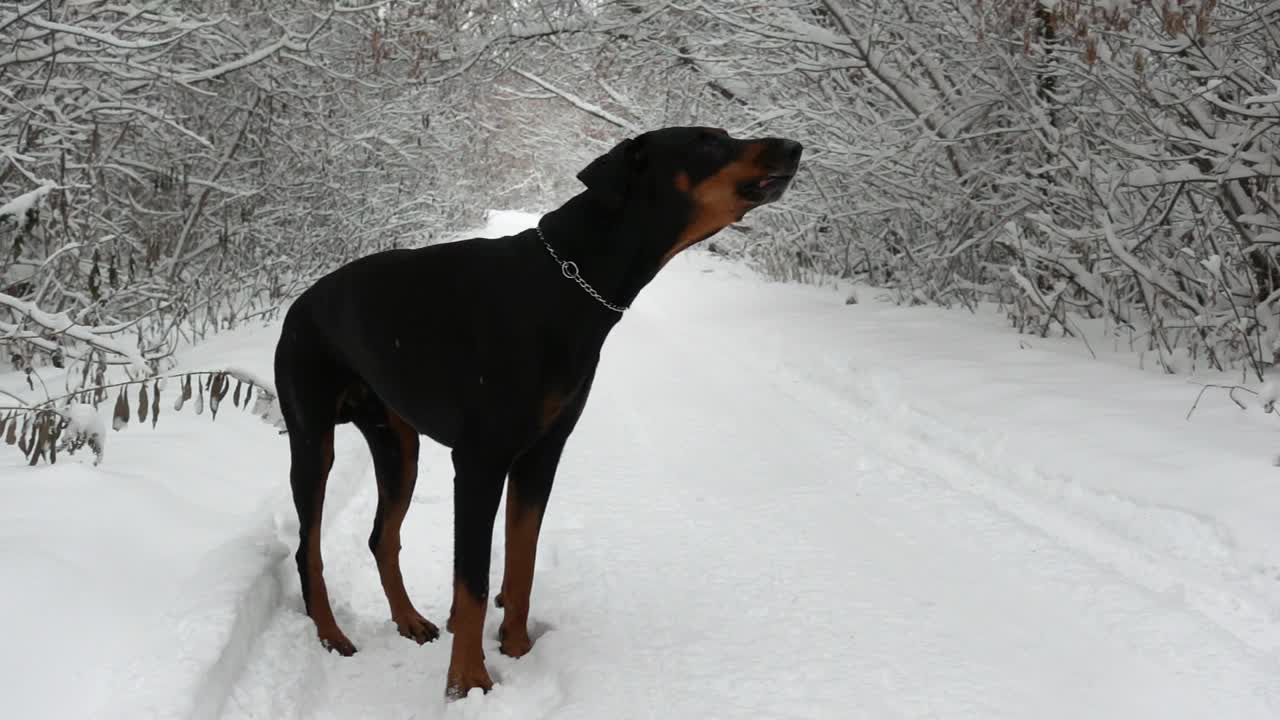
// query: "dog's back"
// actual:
[[414, 323]]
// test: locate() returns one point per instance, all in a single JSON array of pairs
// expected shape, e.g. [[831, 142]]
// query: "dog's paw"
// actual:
[[417, 628], [337, 642], [514, 643], [463, 680]]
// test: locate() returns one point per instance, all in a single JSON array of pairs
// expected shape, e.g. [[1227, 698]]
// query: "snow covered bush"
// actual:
[[1153, 195], [172, 172], [167, 172]]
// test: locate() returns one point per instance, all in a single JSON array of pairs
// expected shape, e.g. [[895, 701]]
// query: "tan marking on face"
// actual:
[[716, 203]]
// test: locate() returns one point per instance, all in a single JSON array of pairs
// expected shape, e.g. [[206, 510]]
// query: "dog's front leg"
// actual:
[[527, 495], [477, 489]]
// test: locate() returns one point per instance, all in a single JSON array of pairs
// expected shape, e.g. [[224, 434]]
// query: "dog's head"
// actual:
[[708, 179]]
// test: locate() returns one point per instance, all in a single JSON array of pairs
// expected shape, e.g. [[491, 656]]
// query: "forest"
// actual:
[[173, 169]]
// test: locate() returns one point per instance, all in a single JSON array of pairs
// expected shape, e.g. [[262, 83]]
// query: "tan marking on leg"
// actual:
[[408, 620], [466, 660], [552, 404], [523, 525]]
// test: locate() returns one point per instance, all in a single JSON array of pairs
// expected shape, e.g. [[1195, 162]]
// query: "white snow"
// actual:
[[17, 208], [777, 505], [85, 422], [1268, 395], [1213, 264], [1268, 99]]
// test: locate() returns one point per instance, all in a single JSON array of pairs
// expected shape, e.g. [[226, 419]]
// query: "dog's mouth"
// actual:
[[765, 189]]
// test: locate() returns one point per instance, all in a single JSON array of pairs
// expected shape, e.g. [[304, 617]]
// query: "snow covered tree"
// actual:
[[192, 167]]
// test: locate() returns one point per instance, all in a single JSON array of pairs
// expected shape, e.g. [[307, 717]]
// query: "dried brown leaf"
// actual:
[[218, 391], [120, 417], [39, 436], [143, 403], [55, 433], [24, 443]]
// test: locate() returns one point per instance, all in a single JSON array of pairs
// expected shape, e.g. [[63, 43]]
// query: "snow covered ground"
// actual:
[[777, 505]]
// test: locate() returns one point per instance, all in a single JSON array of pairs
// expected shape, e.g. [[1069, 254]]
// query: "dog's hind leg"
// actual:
[[309, 391], [312, 458], [394, 445]]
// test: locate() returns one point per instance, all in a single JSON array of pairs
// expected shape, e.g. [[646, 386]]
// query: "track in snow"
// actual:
[[732, 537]]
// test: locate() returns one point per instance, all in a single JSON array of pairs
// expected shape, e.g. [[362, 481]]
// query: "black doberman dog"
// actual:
[[489, 347]]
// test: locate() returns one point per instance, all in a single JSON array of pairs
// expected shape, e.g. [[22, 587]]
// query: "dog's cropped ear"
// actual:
[[609, 176]]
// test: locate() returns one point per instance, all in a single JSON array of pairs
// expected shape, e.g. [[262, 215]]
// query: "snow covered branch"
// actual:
[[19, 208], [578, 102], [59, 324]]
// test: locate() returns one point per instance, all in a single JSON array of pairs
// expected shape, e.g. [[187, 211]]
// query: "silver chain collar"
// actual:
[[570, 270]]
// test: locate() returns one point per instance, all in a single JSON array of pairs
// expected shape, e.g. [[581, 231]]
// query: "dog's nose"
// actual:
[[791, 151], [785, 152]]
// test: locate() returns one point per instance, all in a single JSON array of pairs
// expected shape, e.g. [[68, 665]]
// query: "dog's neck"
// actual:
[[617, 251]]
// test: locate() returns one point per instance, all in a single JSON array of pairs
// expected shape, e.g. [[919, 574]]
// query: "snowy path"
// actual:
[[736, 532]]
